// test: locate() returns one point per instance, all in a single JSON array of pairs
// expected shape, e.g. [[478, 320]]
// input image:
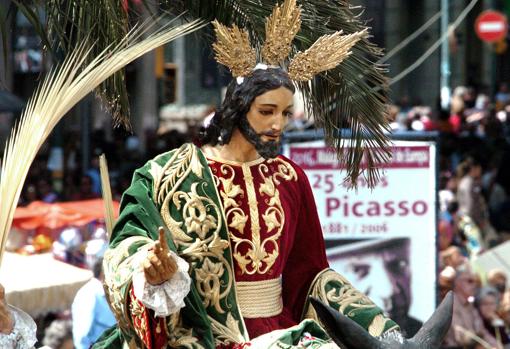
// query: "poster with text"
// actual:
[[383, 240]]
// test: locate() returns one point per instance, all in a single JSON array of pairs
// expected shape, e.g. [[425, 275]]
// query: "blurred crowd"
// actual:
[[74, 182], [473, 193]]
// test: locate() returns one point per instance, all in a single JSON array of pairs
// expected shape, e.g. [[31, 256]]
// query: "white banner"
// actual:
[[384, 239]]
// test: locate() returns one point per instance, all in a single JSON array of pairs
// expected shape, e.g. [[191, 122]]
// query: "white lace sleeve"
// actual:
[[167, 298], [23, 336]]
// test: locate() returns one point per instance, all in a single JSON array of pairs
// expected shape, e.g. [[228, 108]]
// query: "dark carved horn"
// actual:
[[342, 330], [431, 334]]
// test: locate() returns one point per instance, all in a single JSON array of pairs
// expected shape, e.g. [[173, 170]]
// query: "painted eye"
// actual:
[[288, 114], [266, 112]]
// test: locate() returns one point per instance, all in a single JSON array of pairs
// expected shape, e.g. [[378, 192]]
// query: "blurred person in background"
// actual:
[[58, 335], [86, 189], [445, 230], [503, 96], [28, 195], [452, 257], [90, 310], [93, 173], [466, 320], [446, 279], [494, 191], [45, 191], [469, 97], [469, 191], [497, 279], [67, 246], [447, 190], [472, 204], [470, 237], [504, 309], [487, 303], [456, 114]]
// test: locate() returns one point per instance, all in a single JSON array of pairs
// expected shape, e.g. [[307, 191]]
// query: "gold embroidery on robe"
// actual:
[[260, 254], [346, 299], [197, 237], [178, 336]]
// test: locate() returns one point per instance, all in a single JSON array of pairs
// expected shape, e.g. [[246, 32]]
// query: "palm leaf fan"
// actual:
[[63, 87], [352, 96]]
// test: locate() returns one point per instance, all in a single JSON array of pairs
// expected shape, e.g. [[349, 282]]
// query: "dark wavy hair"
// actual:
[[238, 100]]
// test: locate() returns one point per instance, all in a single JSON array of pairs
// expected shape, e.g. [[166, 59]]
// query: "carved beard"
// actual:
[[267, 150]]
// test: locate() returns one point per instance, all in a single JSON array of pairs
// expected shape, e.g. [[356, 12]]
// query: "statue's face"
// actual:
[[266, 119]]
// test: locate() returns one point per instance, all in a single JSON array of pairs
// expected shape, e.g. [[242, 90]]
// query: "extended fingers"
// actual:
[[170, 264], [149, 270], [156, 262], [162, 239]]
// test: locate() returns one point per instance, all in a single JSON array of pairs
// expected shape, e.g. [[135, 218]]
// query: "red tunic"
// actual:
[[274, 231]]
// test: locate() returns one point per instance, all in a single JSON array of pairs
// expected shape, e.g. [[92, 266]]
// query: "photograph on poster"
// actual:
[[380, 268]]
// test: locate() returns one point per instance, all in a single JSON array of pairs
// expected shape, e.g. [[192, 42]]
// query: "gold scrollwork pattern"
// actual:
[[118, 266], [178, 336], [224, 333], [337, 291], [167, 179], [260, 254], [196, 233], [209, 281]]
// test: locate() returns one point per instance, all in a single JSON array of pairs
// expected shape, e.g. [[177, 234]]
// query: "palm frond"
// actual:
[[352, 95], [106, 21], [69, 22], [107, 195], [62, 88]]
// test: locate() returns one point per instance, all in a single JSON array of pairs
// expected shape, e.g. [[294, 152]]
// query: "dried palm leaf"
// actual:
[[62, 88], [107, 195]]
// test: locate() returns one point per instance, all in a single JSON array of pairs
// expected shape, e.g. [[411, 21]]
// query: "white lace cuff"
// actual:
[[167, 298], [23, 335]]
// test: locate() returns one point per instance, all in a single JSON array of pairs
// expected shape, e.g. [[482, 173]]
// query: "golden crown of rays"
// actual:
[[233, 49]]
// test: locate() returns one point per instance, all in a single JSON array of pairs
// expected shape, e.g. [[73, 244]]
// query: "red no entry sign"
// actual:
[[491, 26]]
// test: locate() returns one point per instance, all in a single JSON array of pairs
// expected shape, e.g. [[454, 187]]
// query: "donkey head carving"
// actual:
[[349, 335]]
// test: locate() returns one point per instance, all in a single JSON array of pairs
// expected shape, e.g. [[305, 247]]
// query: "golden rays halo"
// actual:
[[281, 28], [233, 48], [326, 53], [63, 87]]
